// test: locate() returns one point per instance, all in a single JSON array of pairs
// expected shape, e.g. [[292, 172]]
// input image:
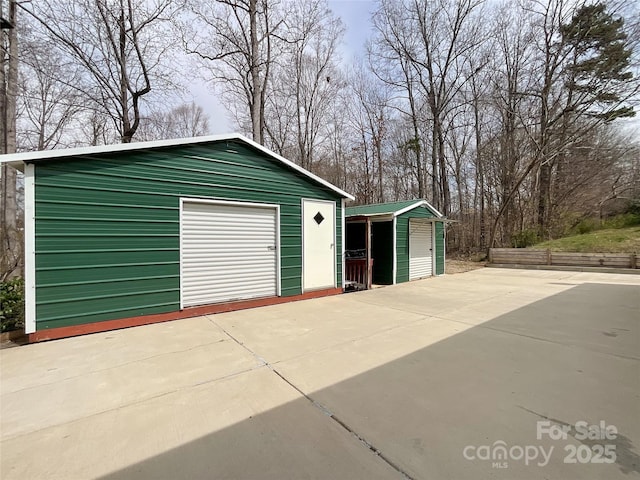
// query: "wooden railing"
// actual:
[[529, 256], [356, 272]]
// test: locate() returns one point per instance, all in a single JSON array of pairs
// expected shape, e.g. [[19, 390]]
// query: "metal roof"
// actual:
[[18, 159], [390, 208]]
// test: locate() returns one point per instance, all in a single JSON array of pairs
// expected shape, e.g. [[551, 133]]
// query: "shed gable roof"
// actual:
[[18, 159], [390, 208]]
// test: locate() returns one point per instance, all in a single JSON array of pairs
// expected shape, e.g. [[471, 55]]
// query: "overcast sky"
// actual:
[[356, 16]]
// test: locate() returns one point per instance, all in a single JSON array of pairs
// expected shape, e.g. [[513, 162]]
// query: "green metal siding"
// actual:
[[402, 240], [107, 226], [440, 248]]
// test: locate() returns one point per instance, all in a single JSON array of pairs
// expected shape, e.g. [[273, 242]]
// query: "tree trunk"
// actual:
[[380, 172], [10, 253], [479, 173], [256, 104], [442, 168], [544, 173], [544, 191], [416, 134], [127, 134], [435, 190]]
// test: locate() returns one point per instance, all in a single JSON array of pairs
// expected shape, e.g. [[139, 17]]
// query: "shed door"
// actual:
[[420, 249], [319, 244], [229, 252]]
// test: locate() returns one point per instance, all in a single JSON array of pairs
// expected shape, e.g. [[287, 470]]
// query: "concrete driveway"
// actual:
[[475, 375]]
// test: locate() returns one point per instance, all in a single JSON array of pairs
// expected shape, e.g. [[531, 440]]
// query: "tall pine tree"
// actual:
[[598, 83], [598, 75]]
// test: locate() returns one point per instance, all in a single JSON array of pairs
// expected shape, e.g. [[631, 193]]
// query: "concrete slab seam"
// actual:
[[377, 452], [261, 360], [319, 406]]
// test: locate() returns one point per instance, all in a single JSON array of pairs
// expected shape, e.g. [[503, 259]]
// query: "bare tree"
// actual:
[[309, 80], [338, 145], [511, 75], [498, 117], [434, 38], [447, 33], [370, 116], [49, 103], [184, 121], [95, 129], [117, 44], [387, 53], [10, 250], [233, 39]]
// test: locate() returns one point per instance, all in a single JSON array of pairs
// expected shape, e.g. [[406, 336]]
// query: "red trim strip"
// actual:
[[72, 331]]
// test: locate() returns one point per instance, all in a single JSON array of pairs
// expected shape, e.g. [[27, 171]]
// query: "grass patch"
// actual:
[[612, 240]]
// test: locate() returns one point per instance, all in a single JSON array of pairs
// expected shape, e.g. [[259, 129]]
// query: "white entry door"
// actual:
[[420, 249], [229, 252], [318, 244]]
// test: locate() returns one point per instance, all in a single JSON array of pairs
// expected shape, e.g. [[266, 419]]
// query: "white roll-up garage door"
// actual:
[[420, 249], [229, 252]]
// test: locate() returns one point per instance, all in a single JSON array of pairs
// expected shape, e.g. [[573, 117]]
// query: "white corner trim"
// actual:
[[29, 248], [180, 236], [434, 251], [343, 222], [395, 251], [302, 245], [444, 249]]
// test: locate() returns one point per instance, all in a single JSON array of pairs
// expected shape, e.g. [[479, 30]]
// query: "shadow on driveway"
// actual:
[[571, 357]]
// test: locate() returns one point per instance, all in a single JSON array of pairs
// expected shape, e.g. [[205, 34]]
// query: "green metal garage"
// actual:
[[128, 234], [389, 243]]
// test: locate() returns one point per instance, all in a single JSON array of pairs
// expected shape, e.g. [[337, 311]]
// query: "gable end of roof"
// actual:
[[17, 160], [391, 208]]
